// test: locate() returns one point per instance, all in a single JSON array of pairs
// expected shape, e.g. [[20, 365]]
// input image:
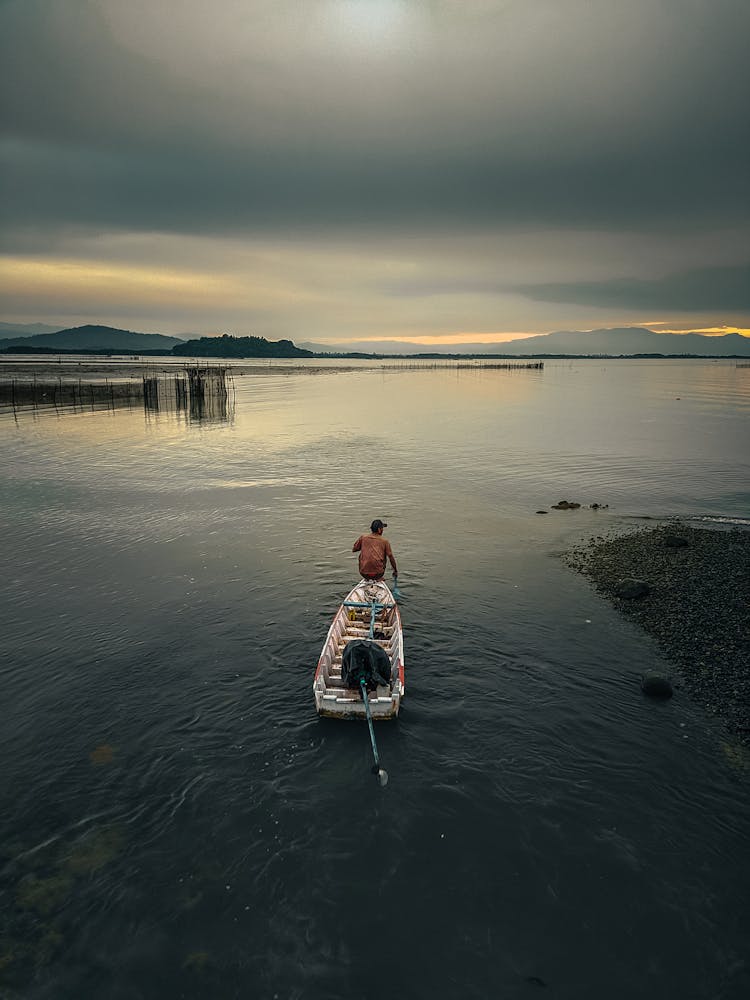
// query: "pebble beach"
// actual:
[[696, 606]]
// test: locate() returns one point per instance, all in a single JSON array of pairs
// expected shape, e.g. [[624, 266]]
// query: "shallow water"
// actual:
[[178, 822]]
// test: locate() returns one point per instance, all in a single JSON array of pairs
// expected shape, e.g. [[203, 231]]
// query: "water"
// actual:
[[178, 823]]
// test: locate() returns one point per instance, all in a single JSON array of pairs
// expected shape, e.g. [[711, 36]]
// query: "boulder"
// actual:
[[542, 512], [656, 685], [565, 505], [630, 589], [675, 541]]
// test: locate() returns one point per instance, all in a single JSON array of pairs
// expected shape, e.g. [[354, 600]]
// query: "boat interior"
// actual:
[[368, 613]]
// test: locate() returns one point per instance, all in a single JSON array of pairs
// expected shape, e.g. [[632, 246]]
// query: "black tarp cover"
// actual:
[[363, 658]]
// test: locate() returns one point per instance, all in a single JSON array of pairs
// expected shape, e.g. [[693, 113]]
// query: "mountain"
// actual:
[[633, 340], [405, 347], [239, 347], [15, 330], [613, 342], [96, 337]]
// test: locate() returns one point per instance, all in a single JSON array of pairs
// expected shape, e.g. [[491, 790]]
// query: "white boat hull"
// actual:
[[355, 619]]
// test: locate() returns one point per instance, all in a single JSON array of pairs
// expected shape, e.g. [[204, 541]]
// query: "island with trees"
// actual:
[[227, 346]]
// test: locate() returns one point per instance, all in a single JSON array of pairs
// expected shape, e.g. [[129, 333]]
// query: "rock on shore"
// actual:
[[697, 606]]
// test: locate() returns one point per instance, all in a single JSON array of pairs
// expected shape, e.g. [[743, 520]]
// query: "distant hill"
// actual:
[[97, 338], [610, 342], [634, 340], [15, 330], [613, 342], [239, 347]]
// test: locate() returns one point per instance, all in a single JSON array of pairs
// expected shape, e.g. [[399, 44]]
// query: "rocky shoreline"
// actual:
[[695, 601]]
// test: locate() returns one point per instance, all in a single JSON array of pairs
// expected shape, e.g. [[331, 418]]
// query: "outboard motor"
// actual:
[[366, 660]]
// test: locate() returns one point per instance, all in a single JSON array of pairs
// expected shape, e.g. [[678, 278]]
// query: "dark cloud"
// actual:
[[201, 193], [570, 115], [361, 167], [699, 290]]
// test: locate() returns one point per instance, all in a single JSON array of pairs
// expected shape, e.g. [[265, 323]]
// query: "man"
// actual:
[[373, 551]]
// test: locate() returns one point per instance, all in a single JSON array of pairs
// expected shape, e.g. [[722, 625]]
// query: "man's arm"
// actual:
[[389, 553], [357, 545]]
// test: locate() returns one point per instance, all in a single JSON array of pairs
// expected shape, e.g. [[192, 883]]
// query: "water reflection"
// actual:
[[199, 394]]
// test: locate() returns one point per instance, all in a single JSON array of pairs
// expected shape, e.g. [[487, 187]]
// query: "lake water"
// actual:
[[177, 822]]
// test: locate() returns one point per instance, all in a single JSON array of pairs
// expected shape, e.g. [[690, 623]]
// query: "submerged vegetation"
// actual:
[[33, 926], [101, 755], [43, 895]]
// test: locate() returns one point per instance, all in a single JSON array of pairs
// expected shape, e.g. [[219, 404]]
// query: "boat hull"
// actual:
[[368, 612]]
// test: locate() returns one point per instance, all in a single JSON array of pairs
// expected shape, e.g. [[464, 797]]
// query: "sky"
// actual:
[[344, 170]]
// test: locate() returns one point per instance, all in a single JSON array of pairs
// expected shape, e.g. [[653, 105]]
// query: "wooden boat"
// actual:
[[369, 612]]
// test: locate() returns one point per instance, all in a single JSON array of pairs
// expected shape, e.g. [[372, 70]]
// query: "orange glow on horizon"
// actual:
[[706, 331], [437, 339]]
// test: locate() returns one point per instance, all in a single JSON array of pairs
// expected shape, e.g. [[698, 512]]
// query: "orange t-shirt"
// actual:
[[373, 552]]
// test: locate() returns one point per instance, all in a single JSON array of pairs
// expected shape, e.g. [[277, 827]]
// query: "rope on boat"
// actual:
[[374, 607]]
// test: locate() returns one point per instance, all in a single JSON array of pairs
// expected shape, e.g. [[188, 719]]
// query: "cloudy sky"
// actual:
[[334, 170]]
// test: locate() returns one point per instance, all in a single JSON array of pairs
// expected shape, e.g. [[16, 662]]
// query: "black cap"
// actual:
[[377, 524]]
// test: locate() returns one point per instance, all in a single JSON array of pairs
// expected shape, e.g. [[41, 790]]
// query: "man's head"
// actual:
[[377, 526]]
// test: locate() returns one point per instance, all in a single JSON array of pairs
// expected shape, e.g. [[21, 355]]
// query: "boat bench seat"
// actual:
[[354, 697], [335, 683], [342, 643], [357, 628]]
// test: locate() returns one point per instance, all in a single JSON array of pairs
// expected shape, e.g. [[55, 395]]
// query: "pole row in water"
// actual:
[[203, 392], [471, 365]]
